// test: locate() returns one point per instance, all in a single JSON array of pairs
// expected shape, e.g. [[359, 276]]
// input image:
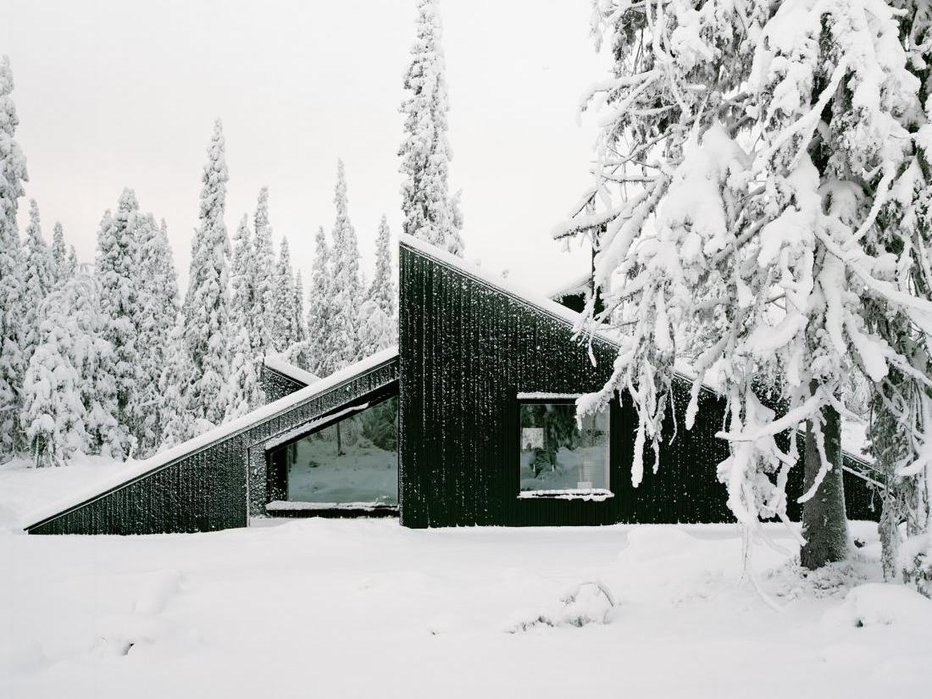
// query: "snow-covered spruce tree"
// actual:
[[12, 175], [263, 317], [158, 308], [297, 353], [900, 408], [747, 152], [71, 263], [59, 254], [53, 410], [91, 355], [283, 310], [206, 304], [244, 385], [121, 297], [178, 419], [346, 289], [378, 325], [320, 309], [429, 211], [382, 290], [38, 279], [298, 323]]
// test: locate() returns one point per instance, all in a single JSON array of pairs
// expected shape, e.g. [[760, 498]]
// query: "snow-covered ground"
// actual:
[[362, 608]]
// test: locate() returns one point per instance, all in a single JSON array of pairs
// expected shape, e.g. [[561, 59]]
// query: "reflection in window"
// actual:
[[354, 460], [558, 455]]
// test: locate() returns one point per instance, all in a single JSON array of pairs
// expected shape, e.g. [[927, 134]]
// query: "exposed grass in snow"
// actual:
[[362, 608]]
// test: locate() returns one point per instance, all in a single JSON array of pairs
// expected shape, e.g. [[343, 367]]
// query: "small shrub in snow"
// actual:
[[588, 603]]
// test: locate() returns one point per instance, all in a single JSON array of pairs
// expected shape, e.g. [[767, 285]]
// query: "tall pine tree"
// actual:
[[12, 176], [54, 414], [263, 317], [283, 313], [429, 211], [343, 339], [378, 324], [158, 309], [38, 280], [244, 386], [59, 254], [206, 303], [320, 309], [121, 296]]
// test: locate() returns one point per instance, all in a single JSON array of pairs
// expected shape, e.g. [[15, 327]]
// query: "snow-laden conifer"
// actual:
[[12, 176], [206, 302], [429, 211], [343, 340], [298, 323], [382, 290], [749, 156], [38, 279], [264, 312], [157, 310], [283, 329], [121, 298], [53, 409], [244, 391], [378, 325], [71, 263], [91, 355], [59, 254], [177, 416], [319, 308]]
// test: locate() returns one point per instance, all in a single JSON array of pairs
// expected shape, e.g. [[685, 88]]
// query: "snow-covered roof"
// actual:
[[578, 285], [516, 291], [275, 362], [140, 469]]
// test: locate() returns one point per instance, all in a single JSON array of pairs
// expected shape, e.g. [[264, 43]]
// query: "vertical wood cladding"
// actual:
[[277, 385], [219, 485], [466, 350]]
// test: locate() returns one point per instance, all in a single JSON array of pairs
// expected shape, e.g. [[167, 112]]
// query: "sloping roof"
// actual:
[[578, 285], [516, 291], [141, 469]]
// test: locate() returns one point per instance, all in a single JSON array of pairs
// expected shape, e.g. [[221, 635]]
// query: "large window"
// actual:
[[558, 456], [352, 461]]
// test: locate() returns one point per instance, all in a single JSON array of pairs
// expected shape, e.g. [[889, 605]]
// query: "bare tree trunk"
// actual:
[[339, 441], [825, 526]]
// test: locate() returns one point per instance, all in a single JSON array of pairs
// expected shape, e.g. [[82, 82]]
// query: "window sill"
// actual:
[[292, 508], [594, 495]]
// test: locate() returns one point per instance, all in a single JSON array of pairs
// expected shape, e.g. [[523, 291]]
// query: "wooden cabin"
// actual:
[[469, 421]]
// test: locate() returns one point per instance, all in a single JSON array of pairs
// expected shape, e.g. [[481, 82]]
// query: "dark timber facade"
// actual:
[[471, 353]]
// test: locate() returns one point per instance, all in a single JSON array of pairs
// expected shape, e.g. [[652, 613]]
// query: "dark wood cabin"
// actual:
[[469, 421]]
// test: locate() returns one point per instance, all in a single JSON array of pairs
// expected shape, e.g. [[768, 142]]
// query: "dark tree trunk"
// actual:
[[339, 441], [825, 526]]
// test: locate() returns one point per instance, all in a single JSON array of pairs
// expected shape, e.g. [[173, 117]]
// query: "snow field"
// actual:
[[348, 608]]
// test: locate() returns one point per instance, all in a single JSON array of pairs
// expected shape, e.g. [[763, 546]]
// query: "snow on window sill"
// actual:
[[593, 495], [294, 505]]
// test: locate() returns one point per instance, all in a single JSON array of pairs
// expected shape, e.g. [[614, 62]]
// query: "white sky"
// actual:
[[114, 93]]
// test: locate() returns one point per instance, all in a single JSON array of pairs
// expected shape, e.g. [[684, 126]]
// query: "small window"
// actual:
[[559, 457]]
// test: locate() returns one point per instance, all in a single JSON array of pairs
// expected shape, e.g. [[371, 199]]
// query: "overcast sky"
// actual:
[[114, 93]]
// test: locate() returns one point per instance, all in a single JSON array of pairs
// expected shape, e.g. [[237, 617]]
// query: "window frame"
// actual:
[[514, 463], [278, 457]]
